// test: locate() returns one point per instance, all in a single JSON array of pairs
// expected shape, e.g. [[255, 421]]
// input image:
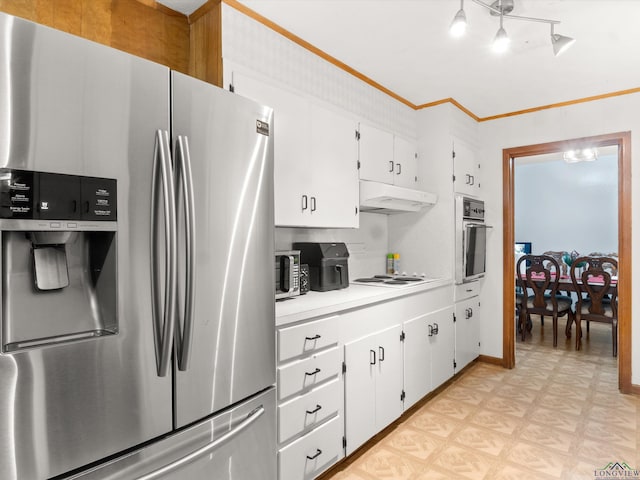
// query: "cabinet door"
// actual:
[[389, 376], [466, 169], [375, 154], [360, 390], [442, 346], [334, 198], [417, 359], [292, 137], [467, 332], [405, 163]]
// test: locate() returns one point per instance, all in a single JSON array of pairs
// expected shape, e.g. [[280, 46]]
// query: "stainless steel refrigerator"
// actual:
[[137, 327]]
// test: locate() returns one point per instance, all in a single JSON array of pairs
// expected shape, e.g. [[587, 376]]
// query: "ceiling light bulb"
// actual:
[[459, 24], [501, 42], [581, 155]]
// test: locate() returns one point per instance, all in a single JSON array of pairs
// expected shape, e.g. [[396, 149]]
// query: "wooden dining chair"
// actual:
[[564, 268], [541, 278], [600, 302]]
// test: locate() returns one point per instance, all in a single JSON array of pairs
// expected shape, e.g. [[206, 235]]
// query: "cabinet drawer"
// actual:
[[301, 413], [307, 338], [312, 454], [305, 374], [467, 290]]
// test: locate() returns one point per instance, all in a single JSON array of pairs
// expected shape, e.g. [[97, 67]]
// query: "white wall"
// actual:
[[556, 203], [610, 115]]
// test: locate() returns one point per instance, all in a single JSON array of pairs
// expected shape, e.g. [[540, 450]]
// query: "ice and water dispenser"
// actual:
[[59, 236]]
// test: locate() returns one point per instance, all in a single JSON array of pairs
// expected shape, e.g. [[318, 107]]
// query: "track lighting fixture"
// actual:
[[503, 8]]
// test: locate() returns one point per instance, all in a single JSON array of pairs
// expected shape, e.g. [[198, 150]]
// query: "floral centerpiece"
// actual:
[[569, 258]]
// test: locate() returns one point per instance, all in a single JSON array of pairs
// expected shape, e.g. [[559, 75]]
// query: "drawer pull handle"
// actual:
[[311, 412], [316, 371], [316, 455], [315, 337]]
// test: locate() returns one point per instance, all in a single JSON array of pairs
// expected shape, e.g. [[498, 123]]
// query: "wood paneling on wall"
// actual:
[[205, 56], [140, 27]]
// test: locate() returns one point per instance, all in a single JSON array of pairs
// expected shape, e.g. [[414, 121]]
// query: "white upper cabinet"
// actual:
[[405, 159], [334, 170], [375, 154], [466, 169], [387, 158], [315, 158]]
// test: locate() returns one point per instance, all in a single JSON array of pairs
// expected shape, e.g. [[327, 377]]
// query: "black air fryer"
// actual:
[[328, 264]]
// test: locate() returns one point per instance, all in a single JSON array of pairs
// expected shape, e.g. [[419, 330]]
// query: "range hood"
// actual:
[[381, 197]]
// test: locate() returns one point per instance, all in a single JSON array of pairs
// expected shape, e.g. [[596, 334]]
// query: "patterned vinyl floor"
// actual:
[[558, 414]]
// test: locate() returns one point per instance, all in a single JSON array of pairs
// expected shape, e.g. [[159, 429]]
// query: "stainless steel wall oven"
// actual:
[[471, 239]]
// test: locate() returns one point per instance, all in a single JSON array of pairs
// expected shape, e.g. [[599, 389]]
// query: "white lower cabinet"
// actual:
[[306, 411], [428, 353], [312, 454], [467, 325], [344, 377], [310, 398], [467, 332], [308, 372], [373, 384], [442, 343]]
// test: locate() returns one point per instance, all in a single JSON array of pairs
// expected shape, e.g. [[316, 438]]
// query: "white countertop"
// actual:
[[315, 304]]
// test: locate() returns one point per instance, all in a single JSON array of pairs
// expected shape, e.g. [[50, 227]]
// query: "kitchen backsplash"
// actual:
[[367, 245]]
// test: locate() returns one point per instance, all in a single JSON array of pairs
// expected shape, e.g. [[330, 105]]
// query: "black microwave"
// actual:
[[287, 270]]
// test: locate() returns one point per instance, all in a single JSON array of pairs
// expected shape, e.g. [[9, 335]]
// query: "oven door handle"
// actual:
[[478, 225]]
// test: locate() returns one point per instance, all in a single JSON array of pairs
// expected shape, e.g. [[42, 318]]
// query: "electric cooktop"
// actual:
[[393, 281]]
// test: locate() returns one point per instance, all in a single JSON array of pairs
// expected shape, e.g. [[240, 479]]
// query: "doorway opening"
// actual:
[[623, 142]]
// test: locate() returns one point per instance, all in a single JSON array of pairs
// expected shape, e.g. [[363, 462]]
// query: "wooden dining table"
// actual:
[[565, 284]]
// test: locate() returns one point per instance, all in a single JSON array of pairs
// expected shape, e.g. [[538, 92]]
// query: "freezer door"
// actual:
[[237, 444], [229, 141], [75, 107]]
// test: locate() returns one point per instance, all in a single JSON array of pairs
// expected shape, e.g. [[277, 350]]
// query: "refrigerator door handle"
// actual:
[[251, 418], [163, 315], [185, 183]]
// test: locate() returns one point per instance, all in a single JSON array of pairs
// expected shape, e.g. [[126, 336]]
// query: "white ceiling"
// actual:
[[404, 45]]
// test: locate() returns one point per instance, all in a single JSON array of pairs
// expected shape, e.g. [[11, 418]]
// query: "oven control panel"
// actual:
[[472, 209]]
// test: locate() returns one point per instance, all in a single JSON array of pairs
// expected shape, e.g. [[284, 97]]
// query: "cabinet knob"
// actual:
[[305, 202], [315, 372], [315, 337], [390, 166]]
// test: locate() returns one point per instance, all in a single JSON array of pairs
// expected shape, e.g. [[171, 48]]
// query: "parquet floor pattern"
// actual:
[[557, 415]]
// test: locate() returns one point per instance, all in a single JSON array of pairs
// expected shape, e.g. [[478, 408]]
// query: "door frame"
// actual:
[[623, 141]]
